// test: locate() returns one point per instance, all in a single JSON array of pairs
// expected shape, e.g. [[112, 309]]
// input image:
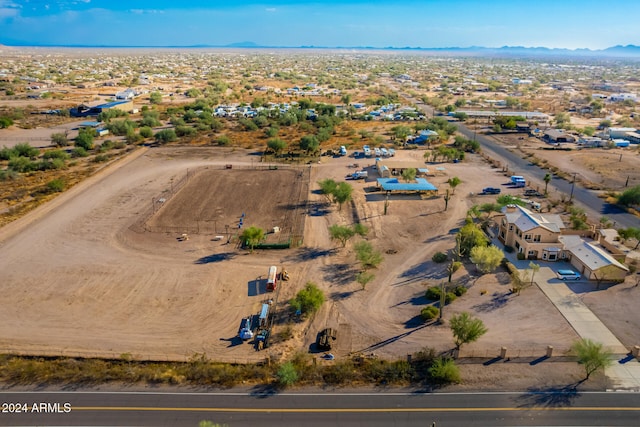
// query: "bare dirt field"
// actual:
[[597, 168], [83, 281], [218, 201]]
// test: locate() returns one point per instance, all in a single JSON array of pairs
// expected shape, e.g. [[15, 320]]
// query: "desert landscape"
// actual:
[[137, 255], [103, 287]]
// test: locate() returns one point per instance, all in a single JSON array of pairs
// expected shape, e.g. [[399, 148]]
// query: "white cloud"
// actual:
[[146, 11], [270, 9]]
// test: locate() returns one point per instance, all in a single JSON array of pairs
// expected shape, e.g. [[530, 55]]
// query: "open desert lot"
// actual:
[[86, 279]]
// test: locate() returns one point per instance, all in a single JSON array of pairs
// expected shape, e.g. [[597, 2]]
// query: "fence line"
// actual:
[[132, 356]]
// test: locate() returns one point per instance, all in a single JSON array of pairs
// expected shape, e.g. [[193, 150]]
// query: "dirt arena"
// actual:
[[82, 280], [218, 200]]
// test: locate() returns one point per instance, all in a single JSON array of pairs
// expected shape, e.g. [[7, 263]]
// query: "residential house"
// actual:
[[591, 261], [533, 234], [545, 237]]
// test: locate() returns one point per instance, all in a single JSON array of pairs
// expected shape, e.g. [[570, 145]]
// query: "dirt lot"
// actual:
[[596, 168], [82, 281], [218, 200]]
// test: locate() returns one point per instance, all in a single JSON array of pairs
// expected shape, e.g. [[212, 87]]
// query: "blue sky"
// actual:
[[428, 23]]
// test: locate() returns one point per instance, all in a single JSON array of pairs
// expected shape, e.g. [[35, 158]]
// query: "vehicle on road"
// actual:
[[358, 175], [490, 190], [568, 275], [272, 279]]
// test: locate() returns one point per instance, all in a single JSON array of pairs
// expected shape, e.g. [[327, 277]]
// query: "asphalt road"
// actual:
[[566, 407], [586, 198]]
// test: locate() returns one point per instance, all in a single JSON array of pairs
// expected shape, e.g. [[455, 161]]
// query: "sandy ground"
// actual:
[[81, 281]]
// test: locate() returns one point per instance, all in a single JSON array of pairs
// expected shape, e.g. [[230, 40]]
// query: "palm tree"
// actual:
[[546, 179]]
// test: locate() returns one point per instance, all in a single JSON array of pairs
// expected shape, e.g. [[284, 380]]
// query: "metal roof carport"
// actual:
[[392, 184]]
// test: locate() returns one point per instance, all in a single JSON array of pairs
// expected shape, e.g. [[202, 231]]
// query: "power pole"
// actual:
[[573, 184]]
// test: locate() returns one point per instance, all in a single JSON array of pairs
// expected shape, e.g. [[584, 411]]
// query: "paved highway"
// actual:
[[565, 408]]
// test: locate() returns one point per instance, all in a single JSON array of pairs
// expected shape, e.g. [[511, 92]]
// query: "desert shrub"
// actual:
[[459, 290], [223, 140], [433, 293], [56, 186], [185, 131], [439, 257], [51, 164], [166, 135], [119, 145], [449, 297], [101, 158], [25, 150], [79, 152], [7, 153], [106, 146], [8, 174], [56, 154], [146, 132], [521, 256], [22, 164], [341, 372], [444, 371], [287, 375], [429, 312]]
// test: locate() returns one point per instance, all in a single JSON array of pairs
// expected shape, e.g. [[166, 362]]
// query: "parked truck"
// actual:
[[272, 279], [518, 181]]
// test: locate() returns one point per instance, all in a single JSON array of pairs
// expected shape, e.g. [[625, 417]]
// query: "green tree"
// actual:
[[470, 236], [85, 138], [534, 268], [341, 233], [308, 300], [342, 193], [547, 180], [155, 97], [327, 188], [591, 355], [466, 329], [630, 197], [287, 374], [166, 135], [453, 183], [251, 236], [364, 277], [630, 233], [59, 140], [309, 143], [276, 145], [486, 258], [367, 256], [409, 174], [401, 132]]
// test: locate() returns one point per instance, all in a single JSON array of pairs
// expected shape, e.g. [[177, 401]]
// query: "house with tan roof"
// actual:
[[545, 237], [533, 234]]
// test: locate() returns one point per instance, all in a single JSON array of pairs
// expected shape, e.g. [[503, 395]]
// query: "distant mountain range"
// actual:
[[619, 51]]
